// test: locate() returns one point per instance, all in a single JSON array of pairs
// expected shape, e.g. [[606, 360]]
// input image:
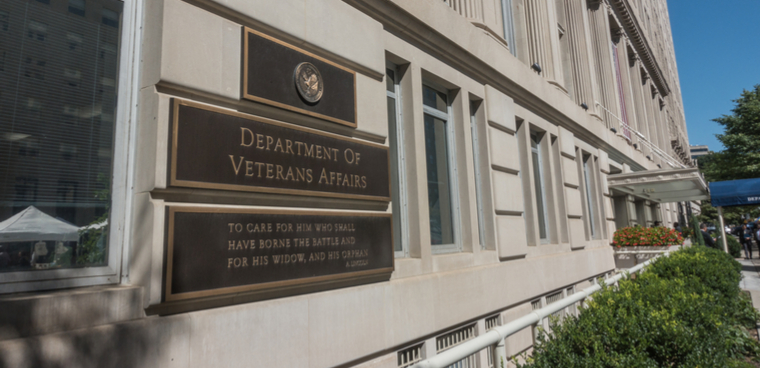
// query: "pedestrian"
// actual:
[[677, 227], [708, 239], [745, 237]]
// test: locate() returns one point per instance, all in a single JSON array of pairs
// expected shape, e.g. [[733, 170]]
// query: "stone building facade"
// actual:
[[501, 121]]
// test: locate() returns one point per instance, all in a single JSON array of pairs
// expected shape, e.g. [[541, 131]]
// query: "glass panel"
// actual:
[[538, 180], [439, 188], [395, 180], [434, 99], [390, 81], [56, 136], [76, 7], [589, 197]]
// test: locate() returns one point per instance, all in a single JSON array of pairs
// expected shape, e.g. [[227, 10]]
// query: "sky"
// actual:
[[718, 55]]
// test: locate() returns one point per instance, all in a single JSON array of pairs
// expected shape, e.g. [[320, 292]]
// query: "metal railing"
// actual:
[[495, 336]]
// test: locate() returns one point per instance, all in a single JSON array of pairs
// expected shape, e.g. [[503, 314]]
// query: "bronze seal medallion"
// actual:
[[308, 82]]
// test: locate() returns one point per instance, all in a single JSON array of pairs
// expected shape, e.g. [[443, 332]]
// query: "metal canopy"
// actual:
[[662, 186]]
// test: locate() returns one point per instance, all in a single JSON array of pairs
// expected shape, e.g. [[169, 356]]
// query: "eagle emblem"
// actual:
[[309, 82]]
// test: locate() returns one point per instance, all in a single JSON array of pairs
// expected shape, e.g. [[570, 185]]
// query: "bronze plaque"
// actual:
[[221, 149], [214, 251], [272, 70]]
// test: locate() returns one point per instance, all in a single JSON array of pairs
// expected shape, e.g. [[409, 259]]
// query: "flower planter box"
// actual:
[[627, 257]]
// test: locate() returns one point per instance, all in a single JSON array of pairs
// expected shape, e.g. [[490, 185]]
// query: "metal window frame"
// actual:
[[451, 157], [478, 174], [403, 200], [537, 150], [122, 176]]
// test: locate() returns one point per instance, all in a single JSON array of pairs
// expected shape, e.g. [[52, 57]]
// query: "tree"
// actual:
[[731, 215], [741, 157], [741, 137]]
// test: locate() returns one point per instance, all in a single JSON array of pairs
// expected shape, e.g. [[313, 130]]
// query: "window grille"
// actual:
[[409, 356], [572, 309], [555, 298], [536, 304], [491, 323], [455, 338]]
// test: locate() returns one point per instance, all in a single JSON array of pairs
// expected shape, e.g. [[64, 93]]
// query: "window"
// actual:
[[590, 203], [439, 169], [621, 95], [2, 61], [509, 25], [396, 139], [57, 177], [74, 40], [538, 179], [33, 104], [37, 30], [474, 105], [34, 68], [110, 18], [563, 34], [452, 339], [3, 20], [76, 7]]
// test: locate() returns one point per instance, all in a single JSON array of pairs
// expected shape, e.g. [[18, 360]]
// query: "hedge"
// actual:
[[685, 310], [734, 247]]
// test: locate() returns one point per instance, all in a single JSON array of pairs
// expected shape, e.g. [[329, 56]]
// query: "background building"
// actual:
[[698, 151], [503, 120]]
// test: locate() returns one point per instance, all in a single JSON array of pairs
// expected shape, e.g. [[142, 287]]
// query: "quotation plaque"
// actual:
[[214, 251]]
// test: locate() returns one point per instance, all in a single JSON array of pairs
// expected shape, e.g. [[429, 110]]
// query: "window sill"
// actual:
[[39, 313]]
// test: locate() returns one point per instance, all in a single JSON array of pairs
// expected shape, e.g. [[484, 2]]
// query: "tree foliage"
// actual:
[[741, 157], [741, 137]]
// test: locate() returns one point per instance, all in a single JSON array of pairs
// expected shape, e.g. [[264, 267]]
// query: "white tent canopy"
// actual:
[[32, 224]]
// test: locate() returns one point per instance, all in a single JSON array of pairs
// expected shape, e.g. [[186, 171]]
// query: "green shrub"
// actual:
[[685, 310], [696, 233], [734, 247]]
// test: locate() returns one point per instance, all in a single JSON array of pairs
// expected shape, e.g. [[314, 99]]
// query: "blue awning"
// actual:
[[735, 192]]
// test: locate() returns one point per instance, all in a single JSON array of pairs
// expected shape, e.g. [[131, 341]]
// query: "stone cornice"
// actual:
[[623, 10]]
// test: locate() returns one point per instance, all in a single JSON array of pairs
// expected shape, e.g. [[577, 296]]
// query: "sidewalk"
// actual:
[[751, 279]]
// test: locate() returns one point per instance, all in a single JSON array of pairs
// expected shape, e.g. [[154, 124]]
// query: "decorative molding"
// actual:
[[505, 169], [567, 155], [501, 127], [632, 27], [508, 213]]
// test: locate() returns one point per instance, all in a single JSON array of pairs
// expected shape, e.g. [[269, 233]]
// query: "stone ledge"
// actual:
[[38, 313]]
